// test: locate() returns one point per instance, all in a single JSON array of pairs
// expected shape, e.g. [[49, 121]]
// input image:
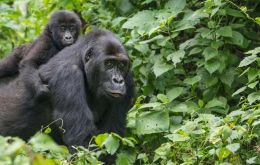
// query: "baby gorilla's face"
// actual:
[[67, 34], [65, 28]]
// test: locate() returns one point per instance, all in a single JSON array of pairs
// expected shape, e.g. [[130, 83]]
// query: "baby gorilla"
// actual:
[[62, 30]]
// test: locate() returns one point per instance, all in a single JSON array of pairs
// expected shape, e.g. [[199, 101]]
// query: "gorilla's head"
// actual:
[[64, 28], [106, 66]]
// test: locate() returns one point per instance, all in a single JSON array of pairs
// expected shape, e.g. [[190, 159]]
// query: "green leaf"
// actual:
[[253, 97], [177, 137], [233, 147], [144, 21], [204, 32], [192, 80], [212, 65], [160, 68], [248, 60], [163, 98], [217, 102], [176, 57], [257, 19], [239, 91], [222, 153], [225, 31], [42, 142], [150, 105], [175, 6], [252, 74], [209, 53], [179, 108], [253, 85], [16, 145], [139, 19], [118, 20], [126, 157], [254, 51], [100, 139], [237, 39], [112, 144], [234, 13], [251, 160], [163, 150], [152, 122], [195, 51], [174, 93], [228, 77], [158, 37]]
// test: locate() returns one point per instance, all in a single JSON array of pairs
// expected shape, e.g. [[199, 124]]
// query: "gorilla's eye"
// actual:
[[62, 28], [109, 64], [121, 65], [88, 54]]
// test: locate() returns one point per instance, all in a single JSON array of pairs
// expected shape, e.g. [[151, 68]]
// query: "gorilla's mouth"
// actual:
[[67, 43], [115, 94]]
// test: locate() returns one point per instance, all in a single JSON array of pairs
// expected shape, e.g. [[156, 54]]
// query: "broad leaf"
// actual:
[[233, 147], [248, 60], [253, 97], [112, 144], [239, 90], [209, 53], [222, 153], [225, 31], [177, 137], [192, 80], [176, 57], [126, 157], [160, 67], [174, 93], [152, 122], [175, 6], [212, 65]]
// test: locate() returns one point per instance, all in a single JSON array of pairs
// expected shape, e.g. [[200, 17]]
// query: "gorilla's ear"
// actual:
[[48, 28], [89, 53]]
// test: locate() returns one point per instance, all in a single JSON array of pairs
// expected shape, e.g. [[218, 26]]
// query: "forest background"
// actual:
[[196, 66]]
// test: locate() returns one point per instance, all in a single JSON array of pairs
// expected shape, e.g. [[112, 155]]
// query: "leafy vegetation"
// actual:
[[196, 67]]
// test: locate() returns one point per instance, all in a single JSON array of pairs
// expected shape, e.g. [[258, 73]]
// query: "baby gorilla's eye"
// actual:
[[62, 28]]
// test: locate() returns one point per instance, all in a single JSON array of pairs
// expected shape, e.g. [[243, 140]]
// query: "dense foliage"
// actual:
[[197, 68]]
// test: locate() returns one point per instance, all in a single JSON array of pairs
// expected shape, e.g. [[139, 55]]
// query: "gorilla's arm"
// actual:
[[36, 56], [69, 98], [9, 65]]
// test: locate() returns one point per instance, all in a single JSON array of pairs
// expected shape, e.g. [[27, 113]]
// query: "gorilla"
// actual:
[[91, 90], [62, 30]]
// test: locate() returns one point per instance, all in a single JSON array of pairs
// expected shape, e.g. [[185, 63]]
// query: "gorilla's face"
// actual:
[[107, 70], [64, 28], [67, 34]]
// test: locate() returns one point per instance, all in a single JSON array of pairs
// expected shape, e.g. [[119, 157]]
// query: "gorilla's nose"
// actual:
[[68, 38], [118, 80]]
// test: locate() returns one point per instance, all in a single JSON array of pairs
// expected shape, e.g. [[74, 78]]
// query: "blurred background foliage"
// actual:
[[196, 66]]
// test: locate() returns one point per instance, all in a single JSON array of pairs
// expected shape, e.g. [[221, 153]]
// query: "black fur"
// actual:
[[77, 78], [74, 79], [49, 43]]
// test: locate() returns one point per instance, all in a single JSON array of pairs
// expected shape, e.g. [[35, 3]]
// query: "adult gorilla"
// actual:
[[91, 88]]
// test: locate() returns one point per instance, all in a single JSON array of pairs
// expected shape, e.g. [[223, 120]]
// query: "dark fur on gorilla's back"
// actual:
[[91, 91], [62, 30]]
